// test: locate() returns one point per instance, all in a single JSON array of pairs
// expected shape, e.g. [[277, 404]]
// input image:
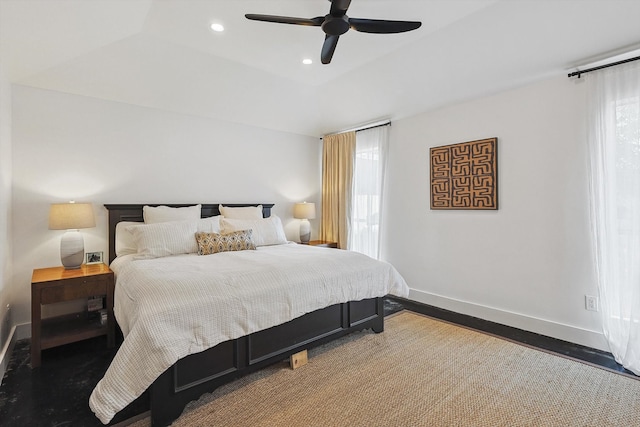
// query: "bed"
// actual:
[[211, 361]]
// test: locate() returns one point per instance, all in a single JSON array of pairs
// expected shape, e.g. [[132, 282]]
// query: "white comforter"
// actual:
[[171, 307]]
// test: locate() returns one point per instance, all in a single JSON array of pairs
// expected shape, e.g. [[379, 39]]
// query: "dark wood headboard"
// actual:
[[129, 212]]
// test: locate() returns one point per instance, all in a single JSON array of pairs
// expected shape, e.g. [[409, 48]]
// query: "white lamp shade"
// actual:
[[304, 210], [71, 216]]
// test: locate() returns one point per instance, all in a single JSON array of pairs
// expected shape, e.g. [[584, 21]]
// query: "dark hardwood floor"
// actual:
[[57, 393]]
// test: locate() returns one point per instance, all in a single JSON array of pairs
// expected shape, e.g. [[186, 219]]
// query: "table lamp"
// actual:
[[71, 217], [304, 211]]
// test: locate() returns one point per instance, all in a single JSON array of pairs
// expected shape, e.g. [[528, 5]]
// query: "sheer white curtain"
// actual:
[[614, 146], [368, 185]]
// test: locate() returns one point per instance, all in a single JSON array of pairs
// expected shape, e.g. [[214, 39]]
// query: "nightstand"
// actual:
[[54, 285], [323, 244]]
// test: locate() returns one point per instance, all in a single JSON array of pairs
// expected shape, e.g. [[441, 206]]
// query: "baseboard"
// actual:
[[17, 333], [593, 339], [23, 331], [7, 351]]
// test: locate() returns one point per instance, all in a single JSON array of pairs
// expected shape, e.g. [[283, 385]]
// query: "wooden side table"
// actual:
[[53, 285], [323, 243]]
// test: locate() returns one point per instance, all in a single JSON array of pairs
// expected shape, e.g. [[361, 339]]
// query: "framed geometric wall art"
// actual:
[[465, 175]]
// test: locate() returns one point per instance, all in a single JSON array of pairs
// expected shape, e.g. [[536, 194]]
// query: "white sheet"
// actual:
[[171, 307]]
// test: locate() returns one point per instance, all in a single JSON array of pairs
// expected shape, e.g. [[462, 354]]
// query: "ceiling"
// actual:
[[162, 54]]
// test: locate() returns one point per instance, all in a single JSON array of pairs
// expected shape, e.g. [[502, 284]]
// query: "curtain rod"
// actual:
[[578, 73], [387, 123], [364, 127]]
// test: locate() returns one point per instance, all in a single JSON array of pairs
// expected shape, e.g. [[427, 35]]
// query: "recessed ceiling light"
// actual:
[[307, 61], [217, 27]]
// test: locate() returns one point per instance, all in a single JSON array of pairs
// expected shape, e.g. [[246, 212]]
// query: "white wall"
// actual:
[[72, 147], [526, 265], [5, 218]]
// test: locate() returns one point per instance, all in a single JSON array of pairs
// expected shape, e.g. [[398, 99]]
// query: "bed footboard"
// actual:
[[199, 373]]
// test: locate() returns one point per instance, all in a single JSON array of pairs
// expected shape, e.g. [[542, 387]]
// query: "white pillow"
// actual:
[[266, 231], [245, 212], [125, 244], [154, 215], [209, 225], [165, 238]]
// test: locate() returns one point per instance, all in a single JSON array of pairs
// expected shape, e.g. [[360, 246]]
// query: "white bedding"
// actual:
[[174, 306]]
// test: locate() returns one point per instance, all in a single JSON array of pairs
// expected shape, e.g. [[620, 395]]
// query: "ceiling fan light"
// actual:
[[307, 61], [218, 28]]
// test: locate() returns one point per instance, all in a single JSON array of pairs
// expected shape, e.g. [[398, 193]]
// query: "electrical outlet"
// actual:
[[591, 303]]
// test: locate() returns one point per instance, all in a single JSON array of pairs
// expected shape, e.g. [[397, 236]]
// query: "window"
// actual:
[[368, 185]]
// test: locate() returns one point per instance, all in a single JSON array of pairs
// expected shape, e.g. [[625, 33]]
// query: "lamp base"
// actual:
[[72, 249], [305, 231]]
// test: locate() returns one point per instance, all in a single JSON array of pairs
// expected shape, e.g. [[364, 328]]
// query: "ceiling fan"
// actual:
[[337, 23]]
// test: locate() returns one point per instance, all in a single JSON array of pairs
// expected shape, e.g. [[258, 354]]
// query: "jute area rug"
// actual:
[[422, 372]]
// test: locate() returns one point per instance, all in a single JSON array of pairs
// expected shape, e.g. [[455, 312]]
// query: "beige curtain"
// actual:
[[338, 153]]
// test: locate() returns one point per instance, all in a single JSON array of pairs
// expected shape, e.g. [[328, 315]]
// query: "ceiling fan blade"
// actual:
[[329, 46], [313, 22], [381, 26], [339, 7]]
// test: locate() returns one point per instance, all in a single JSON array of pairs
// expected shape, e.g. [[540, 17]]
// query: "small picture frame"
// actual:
[[93, 258]]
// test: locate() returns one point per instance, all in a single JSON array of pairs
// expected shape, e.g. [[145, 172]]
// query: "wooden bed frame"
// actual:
[[199, 373]]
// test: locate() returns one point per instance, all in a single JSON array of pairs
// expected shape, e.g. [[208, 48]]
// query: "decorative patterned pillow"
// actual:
[[212, 243]]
